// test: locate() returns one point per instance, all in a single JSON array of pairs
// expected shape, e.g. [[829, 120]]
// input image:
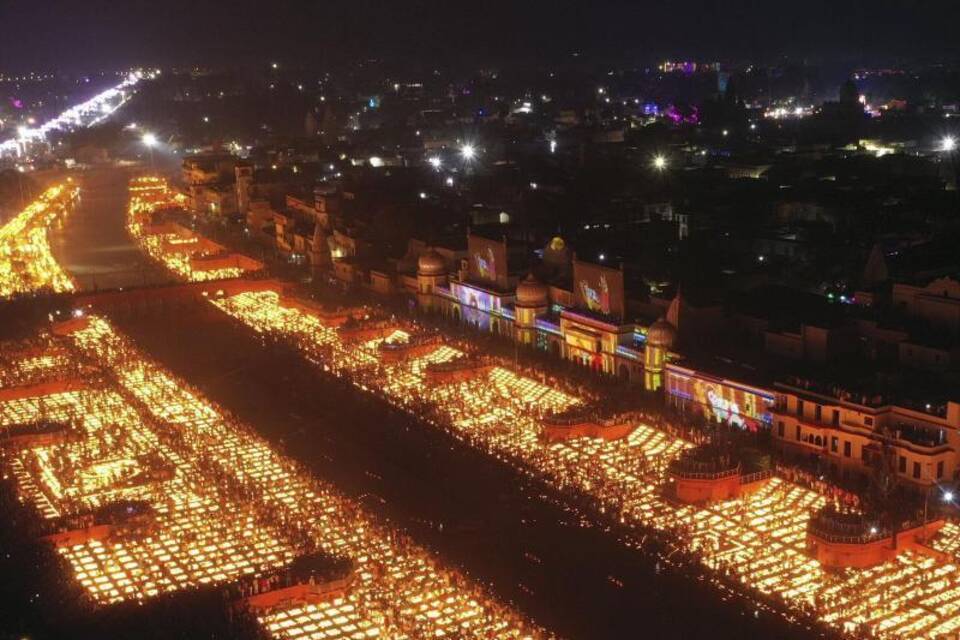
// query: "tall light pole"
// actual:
[[150, 141], [948, 146]]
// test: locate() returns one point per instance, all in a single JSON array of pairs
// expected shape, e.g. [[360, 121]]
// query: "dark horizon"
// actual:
[[62, 35]]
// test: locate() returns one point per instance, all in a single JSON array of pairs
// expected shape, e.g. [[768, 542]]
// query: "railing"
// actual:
[[846, 528], [412, 341], [595, 416], [689, 474], [457, 364], [837, 538], [756, 476]]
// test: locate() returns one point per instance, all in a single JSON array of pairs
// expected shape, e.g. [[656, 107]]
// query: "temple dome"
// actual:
[[531, 292], [431, 263], [661, 334], [556, 253]]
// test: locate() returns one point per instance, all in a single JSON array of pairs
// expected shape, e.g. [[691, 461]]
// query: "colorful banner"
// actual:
[[488, 260], [721, 400], [598, 289]]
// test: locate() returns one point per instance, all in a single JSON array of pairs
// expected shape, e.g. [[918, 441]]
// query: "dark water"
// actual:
[[92, 242]]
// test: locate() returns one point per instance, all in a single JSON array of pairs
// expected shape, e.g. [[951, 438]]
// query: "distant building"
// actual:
[[859, 435], [210, 181], [580, 317]]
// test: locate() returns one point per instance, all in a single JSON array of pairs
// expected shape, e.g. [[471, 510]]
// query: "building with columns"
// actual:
[[582, 319]]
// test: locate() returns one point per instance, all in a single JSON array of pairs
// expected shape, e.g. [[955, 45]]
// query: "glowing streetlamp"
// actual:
[[659, 162], [948, 143], [149, 141], [468, 151], [435, 162]]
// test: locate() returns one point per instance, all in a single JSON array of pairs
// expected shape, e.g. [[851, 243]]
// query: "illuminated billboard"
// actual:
[[598, 289], [722, 401], [488, 260], [475, 298]]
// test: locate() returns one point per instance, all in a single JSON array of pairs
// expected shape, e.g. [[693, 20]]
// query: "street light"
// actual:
[[948, 496], [659, 162], [435, 162], [150, 141], [468, 151], [948, 143]]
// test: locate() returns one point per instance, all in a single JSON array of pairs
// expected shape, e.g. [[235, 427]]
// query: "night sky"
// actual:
[[59, 34]]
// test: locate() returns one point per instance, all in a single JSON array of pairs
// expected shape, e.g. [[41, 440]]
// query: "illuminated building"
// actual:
[[579, 316], [431, 275], [856, 434], [481, 293], [532, 301], [850, 433], [718, 399], [660, 337]]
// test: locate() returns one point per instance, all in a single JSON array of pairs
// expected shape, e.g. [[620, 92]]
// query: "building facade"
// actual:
[[585, 327], [859, 436]]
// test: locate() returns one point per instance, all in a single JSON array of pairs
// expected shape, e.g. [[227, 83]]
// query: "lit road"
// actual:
[[85, 114]]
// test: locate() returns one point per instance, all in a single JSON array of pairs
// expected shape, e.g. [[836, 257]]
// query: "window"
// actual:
[[818, 413], [798, 433], [836, 417], [916, 469], [903, 465], [780, 429], [834, 443], [939, 469], [800, 408], [846, 448], [868, 422]]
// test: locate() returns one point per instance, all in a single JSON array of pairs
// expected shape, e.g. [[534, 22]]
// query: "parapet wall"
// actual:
[[840, 554]]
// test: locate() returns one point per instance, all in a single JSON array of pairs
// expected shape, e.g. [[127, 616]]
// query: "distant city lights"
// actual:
[[784, 113], [86, 114]]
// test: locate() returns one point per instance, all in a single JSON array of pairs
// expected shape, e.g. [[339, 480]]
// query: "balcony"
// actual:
[[921, 436]]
